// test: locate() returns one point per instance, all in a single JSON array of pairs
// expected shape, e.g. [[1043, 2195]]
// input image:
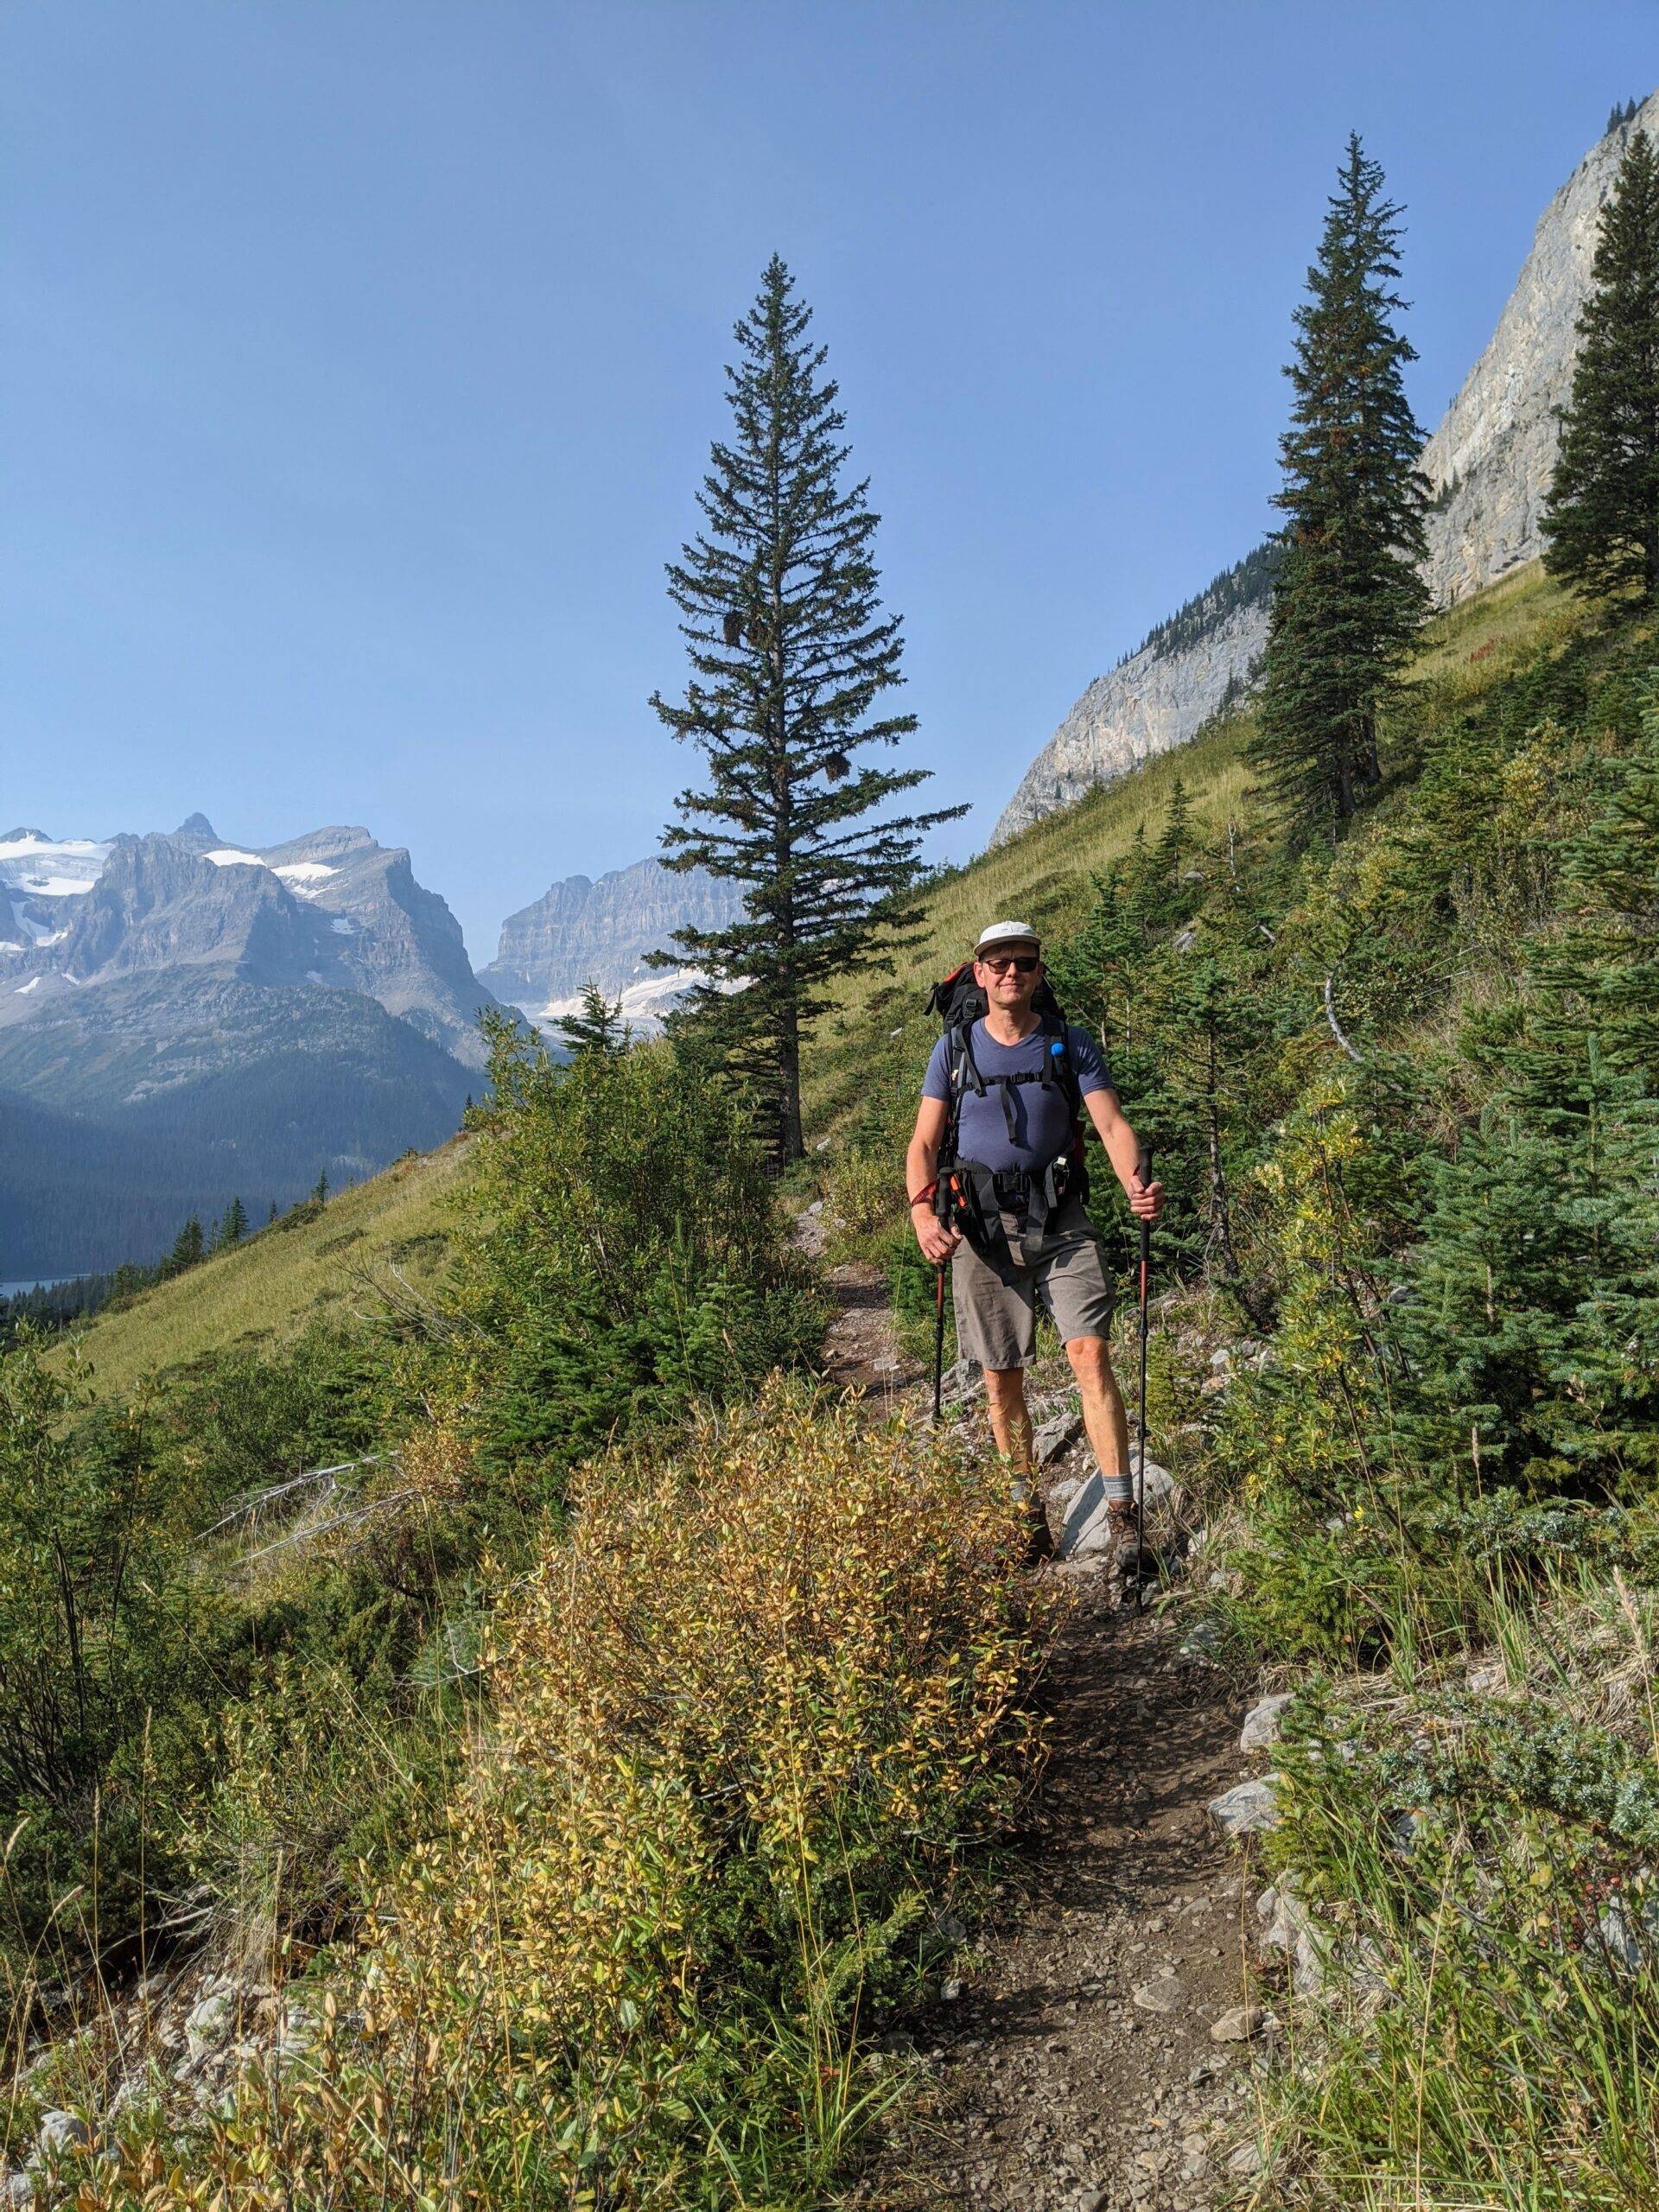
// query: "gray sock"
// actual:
[[1119, 1490]]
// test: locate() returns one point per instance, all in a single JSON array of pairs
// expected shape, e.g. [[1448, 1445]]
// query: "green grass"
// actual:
[[310, 1265]]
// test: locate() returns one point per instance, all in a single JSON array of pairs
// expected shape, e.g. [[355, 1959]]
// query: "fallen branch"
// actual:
[[1331, 1016], [281, 1489], [322, 1527]]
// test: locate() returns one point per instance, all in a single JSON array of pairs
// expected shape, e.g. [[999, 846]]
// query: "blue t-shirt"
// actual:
[[1042, 1118]]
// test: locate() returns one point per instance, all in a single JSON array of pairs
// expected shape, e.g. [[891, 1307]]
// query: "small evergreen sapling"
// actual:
[[598, 1027], [790, 653]]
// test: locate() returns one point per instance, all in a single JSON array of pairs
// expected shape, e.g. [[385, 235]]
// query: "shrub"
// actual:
[[756, 1707], [624, 1254]]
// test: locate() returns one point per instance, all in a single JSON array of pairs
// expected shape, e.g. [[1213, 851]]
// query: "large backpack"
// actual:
[[971, 1195]]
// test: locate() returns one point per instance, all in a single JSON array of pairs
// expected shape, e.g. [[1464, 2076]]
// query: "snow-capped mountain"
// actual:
[[37, 874], [184, 1019], [333, 909]]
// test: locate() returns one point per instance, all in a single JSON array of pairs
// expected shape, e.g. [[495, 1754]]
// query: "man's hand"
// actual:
[[937, 1243], [1146, 1200]]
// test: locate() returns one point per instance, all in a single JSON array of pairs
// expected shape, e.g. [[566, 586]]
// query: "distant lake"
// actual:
[[35, 1283]]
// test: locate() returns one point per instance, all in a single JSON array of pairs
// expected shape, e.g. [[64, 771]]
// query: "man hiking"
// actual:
[[996, 1183]]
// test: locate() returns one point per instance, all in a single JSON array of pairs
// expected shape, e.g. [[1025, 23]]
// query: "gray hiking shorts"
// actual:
[[996, 1317]]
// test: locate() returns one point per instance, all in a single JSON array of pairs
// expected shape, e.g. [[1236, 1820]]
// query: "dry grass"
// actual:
[[267, 1289]]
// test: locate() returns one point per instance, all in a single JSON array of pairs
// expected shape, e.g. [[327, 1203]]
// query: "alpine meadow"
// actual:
[[511, 1697]]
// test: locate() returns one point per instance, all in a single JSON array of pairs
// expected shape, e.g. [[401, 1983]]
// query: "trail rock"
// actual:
[[210, 2022], [1163, 1993], [1056, 1436], [16, 2190], [1262, 1722], [59, 2133], [1239, 2025], [1249, 1810], [1289, 1928]]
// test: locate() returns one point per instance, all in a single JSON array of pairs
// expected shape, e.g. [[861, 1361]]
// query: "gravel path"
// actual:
[[1073, 2065]]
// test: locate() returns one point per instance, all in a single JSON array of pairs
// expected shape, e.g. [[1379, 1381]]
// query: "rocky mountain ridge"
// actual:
[[1488, 465], [332, 910], [583, 930]]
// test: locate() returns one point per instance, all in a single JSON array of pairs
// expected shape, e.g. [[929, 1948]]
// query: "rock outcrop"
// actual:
[[332, 909], [1488, 465], [582, 931]]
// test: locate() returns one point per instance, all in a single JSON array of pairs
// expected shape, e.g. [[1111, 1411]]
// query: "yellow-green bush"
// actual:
[[754, 1705]]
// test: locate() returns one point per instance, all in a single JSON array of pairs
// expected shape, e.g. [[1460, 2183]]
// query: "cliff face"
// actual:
[[581, 931], [1490, 460], [1488, 464]]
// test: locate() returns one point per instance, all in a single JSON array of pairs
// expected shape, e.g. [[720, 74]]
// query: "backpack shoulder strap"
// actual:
[[960, 1071]]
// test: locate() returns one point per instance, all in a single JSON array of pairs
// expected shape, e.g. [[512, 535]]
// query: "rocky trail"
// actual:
[[1094, 2050]]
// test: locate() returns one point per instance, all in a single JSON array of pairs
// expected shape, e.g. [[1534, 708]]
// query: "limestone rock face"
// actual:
[[1488, 465], [1490, 462], [1150, 703], [582, 931]]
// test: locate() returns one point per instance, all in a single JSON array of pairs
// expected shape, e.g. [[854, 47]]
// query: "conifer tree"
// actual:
[[598, 1027], [1602, 515], [1347, 597], [187, 1247], [789, 654], [233, 1224]]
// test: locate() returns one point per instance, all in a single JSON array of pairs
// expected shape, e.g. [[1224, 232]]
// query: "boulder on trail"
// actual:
[[1262, 1722], [1248, 1810], [1056, 1436]]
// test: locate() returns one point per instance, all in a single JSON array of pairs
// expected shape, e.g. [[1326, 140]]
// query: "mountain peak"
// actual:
[[197, 825]]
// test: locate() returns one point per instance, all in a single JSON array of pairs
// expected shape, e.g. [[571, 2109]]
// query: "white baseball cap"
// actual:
[[1005, 933]]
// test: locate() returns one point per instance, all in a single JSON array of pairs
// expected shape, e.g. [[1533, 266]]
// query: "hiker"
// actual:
[[996, 1183]]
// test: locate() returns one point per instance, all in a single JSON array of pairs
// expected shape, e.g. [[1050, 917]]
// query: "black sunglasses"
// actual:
[[1021, 963]]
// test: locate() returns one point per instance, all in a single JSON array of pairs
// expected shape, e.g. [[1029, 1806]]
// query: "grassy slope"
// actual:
[[877, 1038], [271, 1286]]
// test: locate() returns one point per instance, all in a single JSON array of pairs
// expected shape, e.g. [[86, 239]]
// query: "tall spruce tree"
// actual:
[[1602, 515], [790, 652], [1347, 597]]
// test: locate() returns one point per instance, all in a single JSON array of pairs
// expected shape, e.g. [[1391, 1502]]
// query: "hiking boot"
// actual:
[[1131, 1560]]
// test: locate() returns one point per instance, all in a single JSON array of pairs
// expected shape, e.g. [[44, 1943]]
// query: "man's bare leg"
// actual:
[[1005, 1393], [1107, 1423], [1103, 1414]]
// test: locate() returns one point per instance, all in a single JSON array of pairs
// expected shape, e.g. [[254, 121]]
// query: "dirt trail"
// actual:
[[1072, 2068]]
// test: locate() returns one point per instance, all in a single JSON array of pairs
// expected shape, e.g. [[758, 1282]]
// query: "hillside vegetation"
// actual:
[[1403, 1092], [319, 1262]]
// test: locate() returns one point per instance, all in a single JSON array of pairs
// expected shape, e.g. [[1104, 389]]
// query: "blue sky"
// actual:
[[362, 360]]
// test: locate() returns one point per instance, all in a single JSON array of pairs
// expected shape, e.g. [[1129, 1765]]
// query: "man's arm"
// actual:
[[921, 1168], [1123, 1150]]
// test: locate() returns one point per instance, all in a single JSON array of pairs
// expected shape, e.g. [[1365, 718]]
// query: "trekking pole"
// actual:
[[938, 1342], [1143, 1169]]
